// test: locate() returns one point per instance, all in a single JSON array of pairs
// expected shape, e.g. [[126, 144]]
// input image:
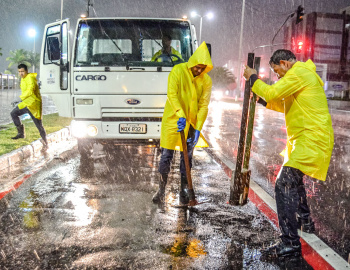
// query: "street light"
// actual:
[[210, 15], [32, 33]]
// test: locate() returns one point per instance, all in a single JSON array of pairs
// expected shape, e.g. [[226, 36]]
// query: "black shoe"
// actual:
[[20, 133], [281, 249], [306, 225], [45, 144]]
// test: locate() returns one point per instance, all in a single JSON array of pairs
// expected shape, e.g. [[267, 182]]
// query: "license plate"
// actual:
[[133, 128]]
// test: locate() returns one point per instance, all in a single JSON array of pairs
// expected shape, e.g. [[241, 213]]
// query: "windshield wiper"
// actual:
[[160, 45], [125, 60]]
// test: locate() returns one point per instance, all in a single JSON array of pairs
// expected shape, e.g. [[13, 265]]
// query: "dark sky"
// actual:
[[262, 19]]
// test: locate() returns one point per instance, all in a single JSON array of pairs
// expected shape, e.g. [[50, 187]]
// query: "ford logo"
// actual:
[[132, 101], [337, 86]]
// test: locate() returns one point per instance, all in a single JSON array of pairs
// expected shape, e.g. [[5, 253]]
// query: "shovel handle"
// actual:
[[187, 162]]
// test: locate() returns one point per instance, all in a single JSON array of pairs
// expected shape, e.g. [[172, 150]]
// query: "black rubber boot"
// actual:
[[306, 225], [184, 199], [45, 144], [20, 133], [282, 249], [159, 196]]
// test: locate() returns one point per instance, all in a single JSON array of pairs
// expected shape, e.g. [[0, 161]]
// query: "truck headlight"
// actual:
[[84, 101], [92, 130]]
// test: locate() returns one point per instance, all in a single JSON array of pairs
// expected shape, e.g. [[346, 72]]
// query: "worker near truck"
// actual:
[[31, 103], [186, 108], [299, 94], [166, 54]]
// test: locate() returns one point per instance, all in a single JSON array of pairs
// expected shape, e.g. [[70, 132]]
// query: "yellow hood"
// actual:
[[312, 67], [201, 57]]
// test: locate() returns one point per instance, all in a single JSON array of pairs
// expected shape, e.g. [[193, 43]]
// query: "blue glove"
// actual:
[[181, 124], [196, 137]]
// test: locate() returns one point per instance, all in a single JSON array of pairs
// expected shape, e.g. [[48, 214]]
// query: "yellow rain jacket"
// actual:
[[188, 97], [31, 97], [300, 96], [160, 52]]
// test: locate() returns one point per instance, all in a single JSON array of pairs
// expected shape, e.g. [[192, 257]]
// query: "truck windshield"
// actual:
[[132, 42]]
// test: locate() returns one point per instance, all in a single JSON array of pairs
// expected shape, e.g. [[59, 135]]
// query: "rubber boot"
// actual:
[[45, 144], [20, 133], [306, 225], [159, 196], [184, 199]]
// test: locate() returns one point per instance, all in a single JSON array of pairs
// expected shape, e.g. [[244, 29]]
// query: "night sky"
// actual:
[[262, 19]]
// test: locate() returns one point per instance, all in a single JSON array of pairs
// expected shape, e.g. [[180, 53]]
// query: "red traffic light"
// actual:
[[299, 46]]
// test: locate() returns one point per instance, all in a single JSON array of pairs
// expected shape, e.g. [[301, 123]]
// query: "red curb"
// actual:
[[15, 186]]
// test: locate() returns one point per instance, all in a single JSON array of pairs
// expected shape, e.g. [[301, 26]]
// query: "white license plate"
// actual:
[[133, 128]]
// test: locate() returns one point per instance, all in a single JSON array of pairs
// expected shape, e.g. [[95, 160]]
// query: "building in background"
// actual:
[[324, 38]]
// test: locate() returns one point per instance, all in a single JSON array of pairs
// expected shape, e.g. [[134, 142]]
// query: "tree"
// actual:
[[34, 59], [9, 71], [221, 77], [0, 52], [18, 57]]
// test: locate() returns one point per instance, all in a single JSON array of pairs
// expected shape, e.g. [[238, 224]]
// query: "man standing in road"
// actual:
[[31, 104], [300, 96], [186, 108]]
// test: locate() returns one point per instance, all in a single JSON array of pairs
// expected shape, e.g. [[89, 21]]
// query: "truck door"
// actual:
[[54, 66]]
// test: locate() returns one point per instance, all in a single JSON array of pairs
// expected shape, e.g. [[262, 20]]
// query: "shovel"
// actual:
[[191, 195]]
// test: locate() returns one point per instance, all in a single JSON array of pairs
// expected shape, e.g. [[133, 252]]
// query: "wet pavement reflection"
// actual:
[[329, 201], [61, 219]]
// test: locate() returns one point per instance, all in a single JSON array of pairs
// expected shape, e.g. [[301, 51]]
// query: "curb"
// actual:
[[28, 153], [315, 252]]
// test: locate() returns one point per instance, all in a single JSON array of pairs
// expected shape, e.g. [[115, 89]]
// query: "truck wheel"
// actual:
[[85, 149]]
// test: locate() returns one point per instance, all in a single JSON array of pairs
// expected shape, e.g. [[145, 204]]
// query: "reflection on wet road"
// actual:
[[329, 201], [60, 219]]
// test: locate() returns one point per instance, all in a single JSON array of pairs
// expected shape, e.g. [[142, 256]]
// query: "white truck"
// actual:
[[106, 80]]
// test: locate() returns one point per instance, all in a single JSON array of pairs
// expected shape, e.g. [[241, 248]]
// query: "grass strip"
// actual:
[[51, 122]]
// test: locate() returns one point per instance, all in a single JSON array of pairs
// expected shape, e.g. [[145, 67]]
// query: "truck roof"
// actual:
[[134, 18]]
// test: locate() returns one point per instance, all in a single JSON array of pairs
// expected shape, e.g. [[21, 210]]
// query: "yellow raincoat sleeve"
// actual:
[[277, 106], [173, 98], [285, 87], [204, 103], [156, 55]]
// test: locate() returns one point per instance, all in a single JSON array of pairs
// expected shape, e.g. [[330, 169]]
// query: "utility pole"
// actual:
[[61, 10], [240, 49], [89, 4]]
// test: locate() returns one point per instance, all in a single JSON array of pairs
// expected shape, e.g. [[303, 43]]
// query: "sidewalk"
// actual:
[[9, 95]]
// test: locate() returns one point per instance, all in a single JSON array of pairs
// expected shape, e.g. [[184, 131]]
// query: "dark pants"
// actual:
[[291, 201], [167, 155], [16, 113]]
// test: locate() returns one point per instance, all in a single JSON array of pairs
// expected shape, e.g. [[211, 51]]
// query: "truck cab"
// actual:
[[107, 81]]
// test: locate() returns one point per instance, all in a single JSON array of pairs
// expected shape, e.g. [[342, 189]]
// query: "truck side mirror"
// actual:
[[209, 48], [53, 48]]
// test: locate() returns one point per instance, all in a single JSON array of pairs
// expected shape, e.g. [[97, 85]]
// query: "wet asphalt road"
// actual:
[[329, 201], [62, 218]]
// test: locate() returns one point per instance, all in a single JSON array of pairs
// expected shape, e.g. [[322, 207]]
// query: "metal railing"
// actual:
[[8, 81]]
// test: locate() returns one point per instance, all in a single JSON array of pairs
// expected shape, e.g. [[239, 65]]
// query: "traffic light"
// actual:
[[300, 44], [300, 14]]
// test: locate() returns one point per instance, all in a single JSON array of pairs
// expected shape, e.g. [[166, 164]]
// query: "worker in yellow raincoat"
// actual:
[[299, 94], [186, 108], [31, 104], [167, 53]]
